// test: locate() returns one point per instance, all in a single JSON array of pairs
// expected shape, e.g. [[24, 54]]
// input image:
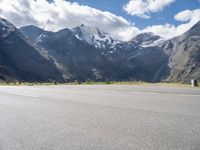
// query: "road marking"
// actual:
[[157, 93], [23, 94], [189, 95]]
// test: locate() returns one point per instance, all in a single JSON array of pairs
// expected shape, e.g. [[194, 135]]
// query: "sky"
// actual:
[[122, 19]]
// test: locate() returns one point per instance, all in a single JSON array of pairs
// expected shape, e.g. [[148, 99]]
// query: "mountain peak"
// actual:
[[82, 25], [195, 30], [4, 22], [198, 23], [5, 27], [146, 39], [31, 27], [85, 29], [92, 36], [32, 31], [147, 36]]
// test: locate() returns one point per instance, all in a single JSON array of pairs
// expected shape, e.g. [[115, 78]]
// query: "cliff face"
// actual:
[[22, 60], [184, 55]]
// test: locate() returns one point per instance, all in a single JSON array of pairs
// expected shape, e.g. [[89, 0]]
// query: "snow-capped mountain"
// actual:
[[94, 37], [147, 39], [107, 44], [85, 52]]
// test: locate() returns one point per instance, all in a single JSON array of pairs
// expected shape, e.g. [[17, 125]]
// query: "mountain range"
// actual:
[[31, 54]]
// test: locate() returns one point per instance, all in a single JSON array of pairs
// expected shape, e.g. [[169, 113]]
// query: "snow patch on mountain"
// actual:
[[94, 37], [41, 37], [152, 43]]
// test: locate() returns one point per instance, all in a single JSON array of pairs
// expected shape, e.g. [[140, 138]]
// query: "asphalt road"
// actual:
[[99, 117]]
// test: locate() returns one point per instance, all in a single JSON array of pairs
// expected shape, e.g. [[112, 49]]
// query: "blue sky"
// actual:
[[165, 16], [122, 19]]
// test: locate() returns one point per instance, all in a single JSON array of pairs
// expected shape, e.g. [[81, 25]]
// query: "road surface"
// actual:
[[99, 117]]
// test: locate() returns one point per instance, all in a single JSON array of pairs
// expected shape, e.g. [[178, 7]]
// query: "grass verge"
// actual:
[[95, 83]]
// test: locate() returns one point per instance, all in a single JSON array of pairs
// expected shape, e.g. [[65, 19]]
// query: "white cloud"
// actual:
[[166, 31], [61, 14], [189, 17], [143, 8]]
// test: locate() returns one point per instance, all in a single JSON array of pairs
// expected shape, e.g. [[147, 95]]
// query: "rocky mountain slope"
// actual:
[[84, 53], [184, 55], [78, 58], [21, 60], [115, 61]]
